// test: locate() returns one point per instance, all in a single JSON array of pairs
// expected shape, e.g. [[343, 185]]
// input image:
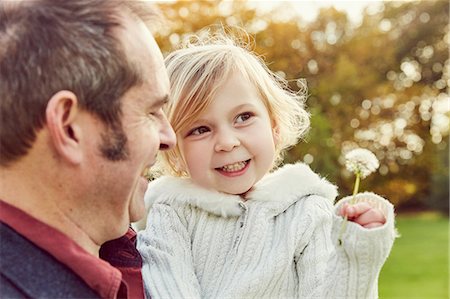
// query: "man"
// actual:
[[82, 86]]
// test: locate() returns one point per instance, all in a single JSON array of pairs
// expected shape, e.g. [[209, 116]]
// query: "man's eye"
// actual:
[[198, 131], [154, 114], [243, 117]]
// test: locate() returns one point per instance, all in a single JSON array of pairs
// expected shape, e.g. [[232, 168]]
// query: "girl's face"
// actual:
[[231, 145]]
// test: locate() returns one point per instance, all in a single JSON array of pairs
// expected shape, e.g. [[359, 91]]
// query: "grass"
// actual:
[[418, 266]]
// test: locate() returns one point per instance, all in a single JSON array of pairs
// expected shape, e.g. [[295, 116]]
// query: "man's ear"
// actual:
[[61, 114]]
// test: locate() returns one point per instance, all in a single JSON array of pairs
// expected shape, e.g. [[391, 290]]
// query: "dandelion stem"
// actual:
[[352, 202], [356, 187]]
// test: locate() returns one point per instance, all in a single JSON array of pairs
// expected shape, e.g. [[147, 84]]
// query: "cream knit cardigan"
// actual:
[[280, 243]]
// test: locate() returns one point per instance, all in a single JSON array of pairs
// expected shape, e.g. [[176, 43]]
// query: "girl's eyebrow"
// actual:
[[198, 121], [203, 121], [245, 105]]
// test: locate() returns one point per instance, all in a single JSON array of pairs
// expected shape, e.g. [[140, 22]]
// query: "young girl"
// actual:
[[222, 223]]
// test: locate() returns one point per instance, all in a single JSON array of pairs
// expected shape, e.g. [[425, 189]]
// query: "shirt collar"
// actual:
[[98, 274]]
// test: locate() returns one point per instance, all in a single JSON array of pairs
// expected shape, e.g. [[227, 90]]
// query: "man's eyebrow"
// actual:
[[161, 101]]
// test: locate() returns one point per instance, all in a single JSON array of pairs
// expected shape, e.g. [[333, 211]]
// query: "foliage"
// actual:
[[379, 85]]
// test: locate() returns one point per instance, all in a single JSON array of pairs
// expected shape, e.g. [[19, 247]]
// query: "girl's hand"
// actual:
[[363, 214]]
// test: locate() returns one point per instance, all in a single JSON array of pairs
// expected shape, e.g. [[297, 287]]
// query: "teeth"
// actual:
[[234, 167]]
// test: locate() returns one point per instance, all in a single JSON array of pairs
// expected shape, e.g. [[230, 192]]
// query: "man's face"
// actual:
[[121, 184]]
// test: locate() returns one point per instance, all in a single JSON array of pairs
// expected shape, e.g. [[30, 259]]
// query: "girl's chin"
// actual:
[[237, 191]]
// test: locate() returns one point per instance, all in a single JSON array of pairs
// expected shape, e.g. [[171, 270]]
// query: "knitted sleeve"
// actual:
[[165, 247], [327, 269], [363, 251]]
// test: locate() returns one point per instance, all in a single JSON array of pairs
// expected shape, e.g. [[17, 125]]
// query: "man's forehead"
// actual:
[[144, 54], [156, 82]]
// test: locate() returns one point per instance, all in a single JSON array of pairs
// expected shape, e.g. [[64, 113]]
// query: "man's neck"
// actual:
[[35, 196]]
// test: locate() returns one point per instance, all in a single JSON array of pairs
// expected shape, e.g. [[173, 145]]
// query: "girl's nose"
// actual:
[[226, 141]]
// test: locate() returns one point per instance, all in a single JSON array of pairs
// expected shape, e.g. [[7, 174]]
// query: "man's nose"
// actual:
[[168, 138]]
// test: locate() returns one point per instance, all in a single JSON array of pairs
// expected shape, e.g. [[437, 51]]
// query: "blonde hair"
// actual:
[[198, 69]]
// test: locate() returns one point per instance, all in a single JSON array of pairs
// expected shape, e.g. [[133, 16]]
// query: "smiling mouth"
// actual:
[[238, 166]]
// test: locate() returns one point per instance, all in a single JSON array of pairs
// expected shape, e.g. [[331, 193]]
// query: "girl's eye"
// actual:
[[198, 131], [243, 117]]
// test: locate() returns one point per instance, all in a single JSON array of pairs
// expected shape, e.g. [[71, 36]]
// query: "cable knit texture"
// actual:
[[280, 243]]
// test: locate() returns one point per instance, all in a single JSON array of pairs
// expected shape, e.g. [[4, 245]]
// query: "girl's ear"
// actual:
[[275, 133]]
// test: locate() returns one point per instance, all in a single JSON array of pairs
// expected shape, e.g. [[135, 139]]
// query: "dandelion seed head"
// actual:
[[361, 161]]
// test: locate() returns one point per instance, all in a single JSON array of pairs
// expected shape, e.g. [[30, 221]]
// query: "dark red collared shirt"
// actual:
[[122, 254], [103, 278]]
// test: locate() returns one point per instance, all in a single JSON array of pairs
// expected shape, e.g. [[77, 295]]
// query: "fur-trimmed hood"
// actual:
[[280, 189]]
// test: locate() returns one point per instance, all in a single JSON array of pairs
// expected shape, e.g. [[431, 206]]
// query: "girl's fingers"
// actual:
[[363, 214], [373, 224], [343, 209], [354, 211], [370, 216]]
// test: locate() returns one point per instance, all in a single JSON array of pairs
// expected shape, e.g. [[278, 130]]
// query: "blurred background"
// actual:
[[378, 78]]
